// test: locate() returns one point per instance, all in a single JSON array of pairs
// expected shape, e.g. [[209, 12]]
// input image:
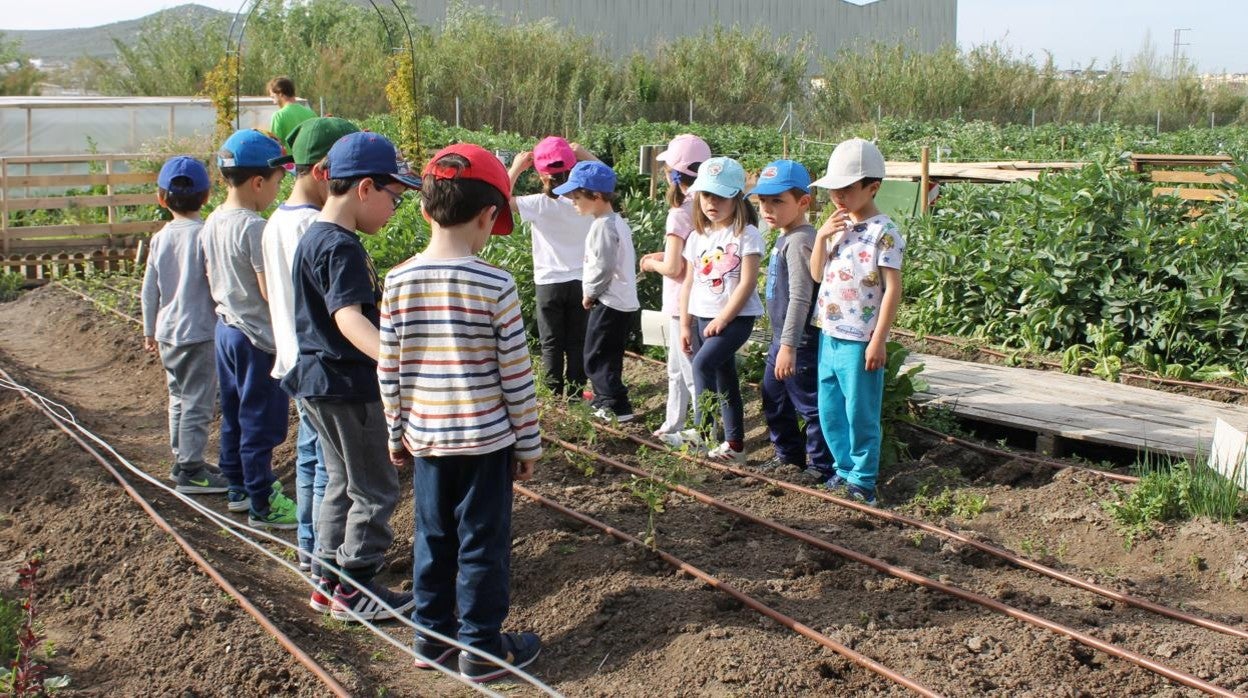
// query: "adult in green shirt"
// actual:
[[291, 112]]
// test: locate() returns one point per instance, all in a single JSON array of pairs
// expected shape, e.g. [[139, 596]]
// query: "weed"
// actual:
[[917, 538], [1196, 564], [565, 548], [1169, 491], [19, 640], [10, 286], [654, 494], [900, 384], [377, 656], [581, 462], [964, 505]]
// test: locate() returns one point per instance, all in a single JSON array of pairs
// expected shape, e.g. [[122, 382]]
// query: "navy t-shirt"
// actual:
[[331, 271]]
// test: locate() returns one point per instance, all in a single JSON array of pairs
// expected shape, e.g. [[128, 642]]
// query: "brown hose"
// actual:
[[101, 305], [788, 622], [282, 639], [987, 602]]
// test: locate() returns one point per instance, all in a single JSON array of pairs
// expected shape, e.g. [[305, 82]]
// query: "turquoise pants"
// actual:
[[849, 409]]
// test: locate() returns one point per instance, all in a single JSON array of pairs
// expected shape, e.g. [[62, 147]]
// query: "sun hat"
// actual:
[[720, 176], [183, 166], [781, 176], [311, 140], [852, 160], [589, 174], [552, 155], [248, 148], [365, 153], [684, 153], [483, 166]]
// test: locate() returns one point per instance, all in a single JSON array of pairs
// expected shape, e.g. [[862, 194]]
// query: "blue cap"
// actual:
[[184, 166], [248, 148], [363, 154], [588, 174], [720, 176], [781, 176]]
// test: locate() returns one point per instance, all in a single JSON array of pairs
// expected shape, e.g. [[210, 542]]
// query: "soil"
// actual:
[[129, 614]]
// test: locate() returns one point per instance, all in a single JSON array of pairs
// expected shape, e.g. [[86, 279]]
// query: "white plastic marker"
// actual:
[[1229, 454]]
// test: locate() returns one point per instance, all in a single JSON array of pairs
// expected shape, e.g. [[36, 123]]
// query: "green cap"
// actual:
[[311, 140]]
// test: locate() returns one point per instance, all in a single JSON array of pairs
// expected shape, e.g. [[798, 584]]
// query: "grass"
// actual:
[[11, 616], [1172, 491], [960, 503]]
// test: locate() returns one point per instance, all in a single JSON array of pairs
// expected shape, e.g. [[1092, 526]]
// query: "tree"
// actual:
[[18, 76]]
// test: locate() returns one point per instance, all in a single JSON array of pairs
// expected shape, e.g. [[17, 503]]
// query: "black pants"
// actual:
[[604, 357], [561, 328]]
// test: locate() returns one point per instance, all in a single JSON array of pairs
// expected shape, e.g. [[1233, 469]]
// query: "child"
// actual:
[[789, 378], [680, 164], [458, 390], [253, 406], [558, 254], [311, 141], [178, 322], [857, 256], [719, 301], [337, 301], [609, 288]]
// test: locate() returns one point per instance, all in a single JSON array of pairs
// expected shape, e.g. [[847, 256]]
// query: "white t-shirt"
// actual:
[[852, 289], [281, 236], [558, 233], [679, 224], [715, 257]]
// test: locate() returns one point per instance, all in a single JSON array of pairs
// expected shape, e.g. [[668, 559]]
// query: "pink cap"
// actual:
[[685, 151], [552, 155]]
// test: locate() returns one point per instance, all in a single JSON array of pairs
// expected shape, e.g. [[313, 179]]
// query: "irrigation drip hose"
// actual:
[[895, 571], [282, 639], [749, 601], [101, 305], [995, 551]]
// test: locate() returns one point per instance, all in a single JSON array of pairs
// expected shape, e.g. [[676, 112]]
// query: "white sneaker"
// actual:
[[608, 416], [724, 452]]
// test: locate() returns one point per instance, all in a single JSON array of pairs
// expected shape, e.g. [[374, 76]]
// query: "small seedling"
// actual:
[[654, 494]]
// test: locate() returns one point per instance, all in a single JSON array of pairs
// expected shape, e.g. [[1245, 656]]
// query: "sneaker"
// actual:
[[813, 477], [862, 494], [281, 513], [773, 463], [836, 482], [519, 650], [177, 468], [323, 595], [607, 415], [351, 604], [437, 653], [236, 499], [200, 481], [724, 452]]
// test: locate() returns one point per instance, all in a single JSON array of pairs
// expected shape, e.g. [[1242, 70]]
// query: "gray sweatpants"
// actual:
[[191, 375], [353, 528]]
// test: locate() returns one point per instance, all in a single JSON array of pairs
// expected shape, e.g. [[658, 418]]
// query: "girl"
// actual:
[[680, 166], [719, 301]]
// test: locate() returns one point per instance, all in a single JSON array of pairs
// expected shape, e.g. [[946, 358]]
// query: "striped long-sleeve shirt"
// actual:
[[454, 367]]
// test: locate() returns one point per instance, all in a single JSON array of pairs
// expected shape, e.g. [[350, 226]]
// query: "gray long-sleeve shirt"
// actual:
[[177, 306], [790, 288], [610, 271]]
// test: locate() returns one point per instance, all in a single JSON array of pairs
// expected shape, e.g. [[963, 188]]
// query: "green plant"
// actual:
[[653, 494], [20, 639], [10, 286], [964, 505], [900, 384], [1169, 491]]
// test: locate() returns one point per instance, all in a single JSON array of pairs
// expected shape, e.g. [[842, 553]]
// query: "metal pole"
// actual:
[[1098, 114], [924, 178], [1212, 121], [691, 111], [457, 112], [879, 112], [322, 105], [580, 114], [1158, 121], [1033, 117]]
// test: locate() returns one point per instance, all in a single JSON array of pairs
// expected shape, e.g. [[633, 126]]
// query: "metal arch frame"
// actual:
[[234, 44]]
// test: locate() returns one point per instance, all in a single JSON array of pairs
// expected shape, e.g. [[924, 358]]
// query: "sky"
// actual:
[[1076, 32]]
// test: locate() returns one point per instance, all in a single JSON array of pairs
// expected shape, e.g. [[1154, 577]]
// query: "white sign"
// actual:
[[1229, 454], [654, 327]]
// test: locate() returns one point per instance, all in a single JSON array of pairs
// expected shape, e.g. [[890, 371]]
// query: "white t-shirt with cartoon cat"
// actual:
[[852, 288], [715, 259]]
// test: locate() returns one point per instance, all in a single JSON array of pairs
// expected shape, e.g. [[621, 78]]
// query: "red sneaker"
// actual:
[[321, 600]]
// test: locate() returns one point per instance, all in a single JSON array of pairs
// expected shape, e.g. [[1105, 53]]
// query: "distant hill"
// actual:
[[68, 44]]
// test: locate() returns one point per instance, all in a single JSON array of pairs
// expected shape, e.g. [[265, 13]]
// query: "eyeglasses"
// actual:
[[396, 199]]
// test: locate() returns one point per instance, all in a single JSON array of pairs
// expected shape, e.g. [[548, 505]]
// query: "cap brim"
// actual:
[[282, 161], [409, 181], [774, 189], [565, 188], [836, 181], [504, 224], [716, 189]]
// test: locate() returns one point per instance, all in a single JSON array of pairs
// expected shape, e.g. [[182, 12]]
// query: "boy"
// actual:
[[178, 322], [253, 406], [335, 375], [311, 141], [608, 286], [290, 113], [857, 255], [789, 379], [457, 385]]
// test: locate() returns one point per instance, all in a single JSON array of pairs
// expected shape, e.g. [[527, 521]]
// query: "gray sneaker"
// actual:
[[201, 481], [177, 468]]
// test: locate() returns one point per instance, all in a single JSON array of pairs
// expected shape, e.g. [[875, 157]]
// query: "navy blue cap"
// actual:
[[184, 166], [781, 176], [249, 148], [363, 154], [588, 174]]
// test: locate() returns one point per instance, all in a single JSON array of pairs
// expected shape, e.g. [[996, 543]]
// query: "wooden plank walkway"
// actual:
[[1059, 406]]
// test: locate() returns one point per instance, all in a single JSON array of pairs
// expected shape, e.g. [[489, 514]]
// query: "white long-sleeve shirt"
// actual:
[[610, 272]]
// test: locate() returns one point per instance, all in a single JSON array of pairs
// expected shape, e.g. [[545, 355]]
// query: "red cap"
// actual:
[[552, 155], [483, 166]]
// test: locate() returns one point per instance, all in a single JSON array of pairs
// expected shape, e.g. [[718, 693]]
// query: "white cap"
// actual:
[[852, 160]]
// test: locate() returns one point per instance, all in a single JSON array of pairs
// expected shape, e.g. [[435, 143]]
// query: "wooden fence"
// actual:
[[21, 191], [47, 266]]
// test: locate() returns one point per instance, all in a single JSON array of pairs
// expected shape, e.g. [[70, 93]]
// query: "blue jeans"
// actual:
[[310, 478], [462, 549], [784, 401], [715, 369], [850, 399], [254, 414]]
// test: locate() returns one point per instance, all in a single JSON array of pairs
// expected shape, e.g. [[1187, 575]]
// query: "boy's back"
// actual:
[[233, 253], [177, 305], [281, 237], [462, 355]]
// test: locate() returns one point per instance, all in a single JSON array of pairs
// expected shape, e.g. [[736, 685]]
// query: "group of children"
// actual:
[[431, 369]]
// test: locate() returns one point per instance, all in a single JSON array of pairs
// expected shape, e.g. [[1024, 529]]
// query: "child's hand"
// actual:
[[686, 339], [877, 354], [714, 327], [522, 469], [786, 362], [400, 458], [582, 153], [588, 303], [149, 345], [836, 223], [522, 161]]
